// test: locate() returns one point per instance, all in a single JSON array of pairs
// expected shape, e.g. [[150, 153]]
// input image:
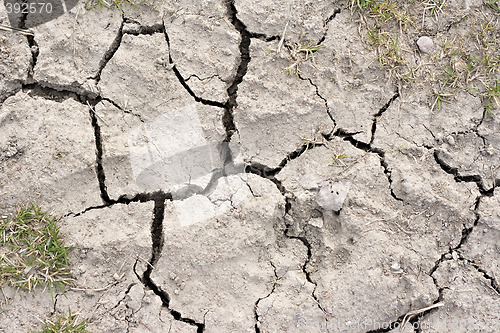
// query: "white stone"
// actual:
[[425, 44]]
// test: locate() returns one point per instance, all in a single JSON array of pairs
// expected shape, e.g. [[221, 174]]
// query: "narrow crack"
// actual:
[[127, 291], [54, 304], [493, 282], [182, 80], [126, 199], [466, 231], [269, 173], [208, 78], [328, 111], [307, 244], [110, 52], [9, 94], [325, 25], [33, 45], [158, 238], [321, 40], [380, 113], [256, 306], [116, 105], [459, 178], [346, 136]]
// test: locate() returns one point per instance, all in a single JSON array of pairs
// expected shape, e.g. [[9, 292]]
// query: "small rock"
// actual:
[[425, 44], [331, 195], [396, 267], [451, 140], [317, 222]]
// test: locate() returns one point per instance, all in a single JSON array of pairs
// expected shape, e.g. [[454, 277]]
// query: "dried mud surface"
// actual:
[[185, 164]]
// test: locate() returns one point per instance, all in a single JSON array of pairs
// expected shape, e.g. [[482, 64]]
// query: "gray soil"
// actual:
[[192, 174]]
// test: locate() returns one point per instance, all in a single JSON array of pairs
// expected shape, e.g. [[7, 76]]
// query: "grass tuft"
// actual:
[[32, 250], [69, 324], [300, 53], [99, 4], [465, 56]]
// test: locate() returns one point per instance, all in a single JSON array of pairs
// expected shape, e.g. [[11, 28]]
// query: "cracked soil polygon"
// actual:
[[47, 154], [470, 302], [223, 261], [206, 57], [302, 21], [72, 47], [276, 112]]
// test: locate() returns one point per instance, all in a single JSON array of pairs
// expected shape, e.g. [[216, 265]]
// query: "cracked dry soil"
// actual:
[[94, 106]]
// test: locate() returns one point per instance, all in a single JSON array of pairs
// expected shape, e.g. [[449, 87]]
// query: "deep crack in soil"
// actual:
[[232, 90], [157, 236], [256, 306], [467, 179], [99, 169], [33, 45]]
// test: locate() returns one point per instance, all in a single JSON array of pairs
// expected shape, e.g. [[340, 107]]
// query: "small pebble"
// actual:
[[451, 140], [396, 266], [425, 44], [317, 222]]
